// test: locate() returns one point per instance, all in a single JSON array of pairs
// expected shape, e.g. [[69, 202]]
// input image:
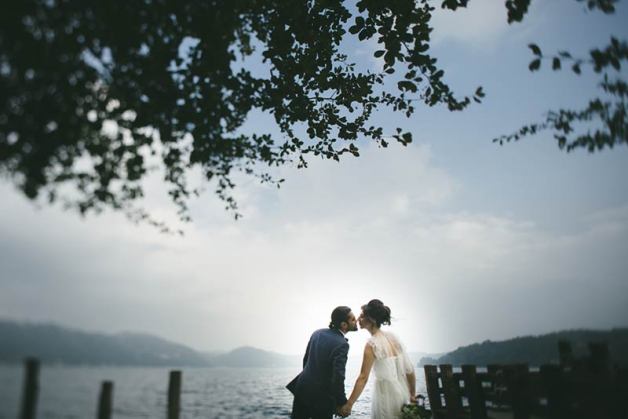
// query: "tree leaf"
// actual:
[[535, 49], [535, 64], [407, 85]]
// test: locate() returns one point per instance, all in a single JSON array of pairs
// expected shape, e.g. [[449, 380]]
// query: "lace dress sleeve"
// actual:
[[378, 349], [371, 342]]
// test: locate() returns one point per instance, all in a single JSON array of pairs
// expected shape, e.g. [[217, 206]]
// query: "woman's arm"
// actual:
[[365, 371], [409, 367], [412, 386]]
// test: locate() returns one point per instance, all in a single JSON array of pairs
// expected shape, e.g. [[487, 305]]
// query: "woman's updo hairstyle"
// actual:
[[377, 312]]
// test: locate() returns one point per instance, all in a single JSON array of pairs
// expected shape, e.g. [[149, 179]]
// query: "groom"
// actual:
[[319, 391]]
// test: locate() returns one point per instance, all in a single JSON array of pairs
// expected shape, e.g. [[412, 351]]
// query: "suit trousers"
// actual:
[[301, 410]]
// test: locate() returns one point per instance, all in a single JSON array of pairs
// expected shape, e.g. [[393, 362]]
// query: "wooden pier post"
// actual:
[[473, 389], [557, 406], [600, 360], [31, 388], [105, 402], [453, 401], [174, 395], [433, 391], [565, 354], [519, 387], [598, 400]]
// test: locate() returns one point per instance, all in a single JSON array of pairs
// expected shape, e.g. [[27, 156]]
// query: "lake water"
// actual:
[[72, 392]]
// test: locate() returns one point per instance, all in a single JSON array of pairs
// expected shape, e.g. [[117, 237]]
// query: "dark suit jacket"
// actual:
[[321, 384]]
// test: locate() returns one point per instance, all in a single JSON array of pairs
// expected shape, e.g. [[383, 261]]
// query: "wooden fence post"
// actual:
[[473, 389], [565, 353], [174, 395], [31, 388], [557, 403], [619, 408], [599, 397], [600, 359], [453, 402], [105, 402], [433, 391], [519, 388]]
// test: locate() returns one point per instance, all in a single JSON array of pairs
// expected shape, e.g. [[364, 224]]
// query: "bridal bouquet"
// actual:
[[415, 411]]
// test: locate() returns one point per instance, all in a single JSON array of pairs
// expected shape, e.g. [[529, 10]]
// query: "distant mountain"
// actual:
[[55, 344], [536, 350], [59, 345], [416, 357], [247, 356]]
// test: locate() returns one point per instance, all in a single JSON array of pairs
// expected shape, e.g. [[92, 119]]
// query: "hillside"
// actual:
[[536, 350], [252, 357], [54, 344]]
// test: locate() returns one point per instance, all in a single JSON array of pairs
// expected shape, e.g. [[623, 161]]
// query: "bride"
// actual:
[[394, 373]]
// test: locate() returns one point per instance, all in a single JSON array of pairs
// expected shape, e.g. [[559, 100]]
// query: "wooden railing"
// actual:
[[104, 410], [584, 388], [590, 388]]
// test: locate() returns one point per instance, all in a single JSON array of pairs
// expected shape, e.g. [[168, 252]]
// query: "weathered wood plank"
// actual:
[[31, 389], [474, 392], [105, 401], [557, 406], [174, 395], [519, 388], [565, 353], [451, 390], [433, 389]]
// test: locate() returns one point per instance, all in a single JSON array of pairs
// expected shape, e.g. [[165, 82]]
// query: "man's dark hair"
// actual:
[[339, 315]]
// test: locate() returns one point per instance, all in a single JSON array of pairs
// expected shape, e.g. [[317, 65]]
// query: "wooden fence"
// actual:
[[588, 388], [104, 410]]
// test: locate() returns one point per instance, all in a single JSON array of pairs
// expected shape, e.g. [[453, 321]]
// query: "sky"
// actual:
[[463, 239]]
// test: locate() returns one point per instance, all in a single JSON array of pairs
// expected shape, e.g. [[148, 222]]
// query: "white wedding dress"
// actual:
[[391, 365]]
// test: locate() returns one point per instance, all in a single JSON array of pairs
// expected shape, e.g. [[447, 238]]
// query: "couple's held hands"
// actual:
[[344, 410]]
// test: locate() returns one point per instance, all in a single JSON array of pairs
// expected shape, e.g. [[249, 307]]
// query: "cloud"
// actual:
[[385, 225], [480, 27], [382, 184], [481, 23]]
